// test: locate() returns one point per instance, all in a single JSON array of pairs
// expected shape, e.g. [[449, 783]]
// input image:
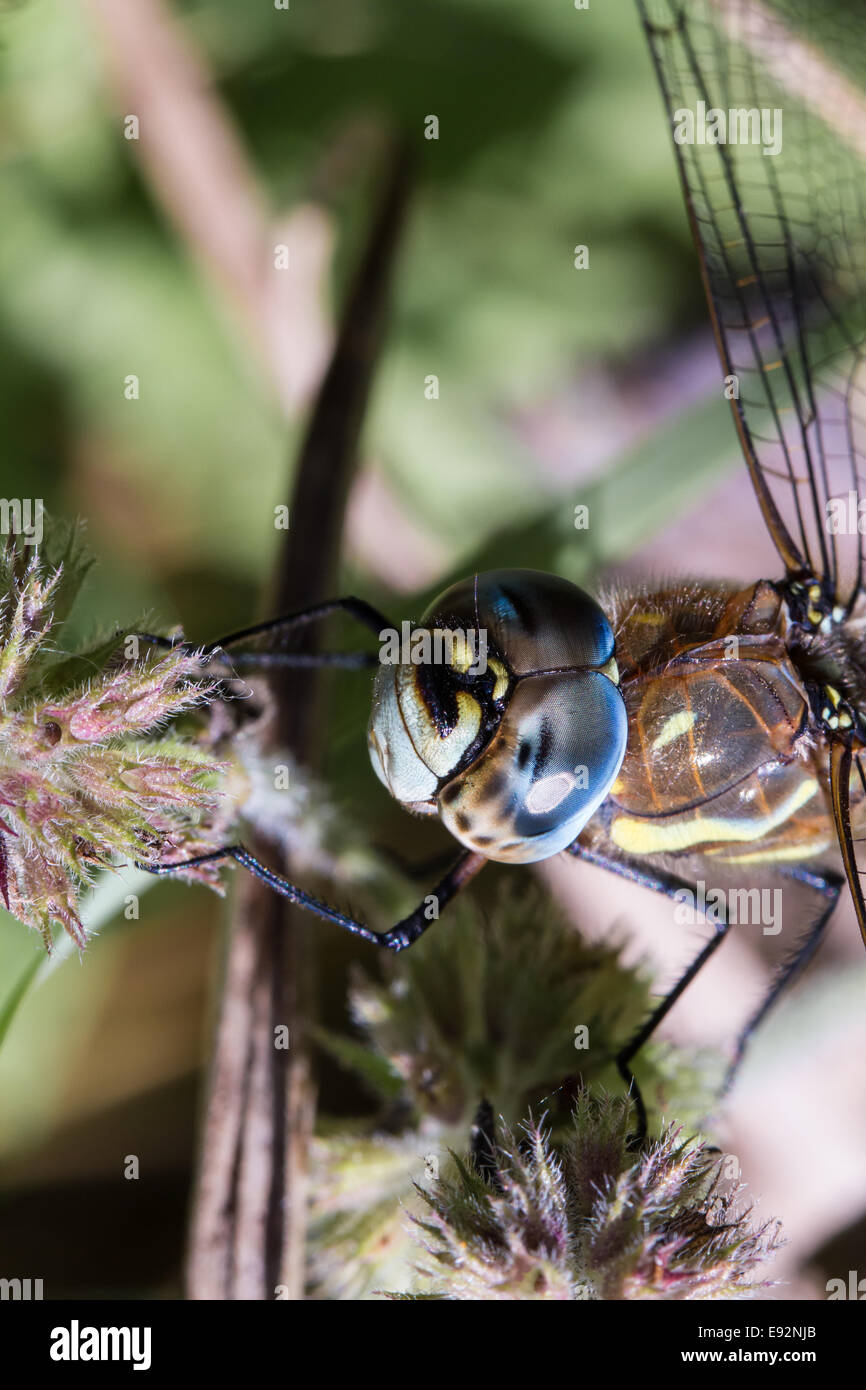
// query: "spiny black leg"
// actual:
[[260, 661], [357, 608], [659, 881], [397, 938], [263, 661], [829, 885], [634, 1045], [644, 1033]]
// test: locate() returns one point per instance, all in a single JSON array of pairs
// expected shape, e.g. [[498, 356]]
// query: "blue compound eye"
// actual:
[[536, 620], [549, 766], [528, 751]]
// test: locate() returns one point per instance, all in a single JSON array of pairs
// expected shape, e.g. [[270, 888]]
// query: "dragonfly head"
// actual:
[[501, 712]]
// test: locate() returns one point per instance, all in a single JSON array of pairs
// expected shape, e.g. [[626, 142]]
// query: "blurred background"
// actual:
[[154, 258]]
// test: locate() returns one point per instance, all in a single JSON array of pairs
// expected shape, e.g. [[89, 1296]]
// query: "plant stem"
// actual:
[[248, 1222]]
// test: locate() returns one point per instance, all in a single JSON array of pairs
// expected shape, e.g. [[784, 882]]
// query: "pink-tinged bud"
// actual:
[[93, 775], [164, 782]]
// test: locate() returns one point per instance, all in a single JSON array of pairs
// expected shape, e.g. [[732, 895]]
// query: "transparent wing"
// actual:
[[778, 213]]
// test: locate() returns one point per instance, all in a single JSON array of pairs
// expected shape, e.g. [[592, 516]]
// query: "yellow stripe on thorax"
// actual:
[[674, 727], [669, 837], [781, 853]]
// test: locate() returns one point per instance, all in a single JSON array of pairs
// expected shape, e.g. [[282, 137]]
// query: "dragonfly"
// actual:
[[698, 727]]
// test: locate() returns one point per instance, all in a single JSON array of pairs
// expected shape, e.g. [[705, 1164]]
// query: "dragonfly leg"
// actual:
[[356, 608], [721, 927], [397, 938], [829, 885], [660, 881]]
